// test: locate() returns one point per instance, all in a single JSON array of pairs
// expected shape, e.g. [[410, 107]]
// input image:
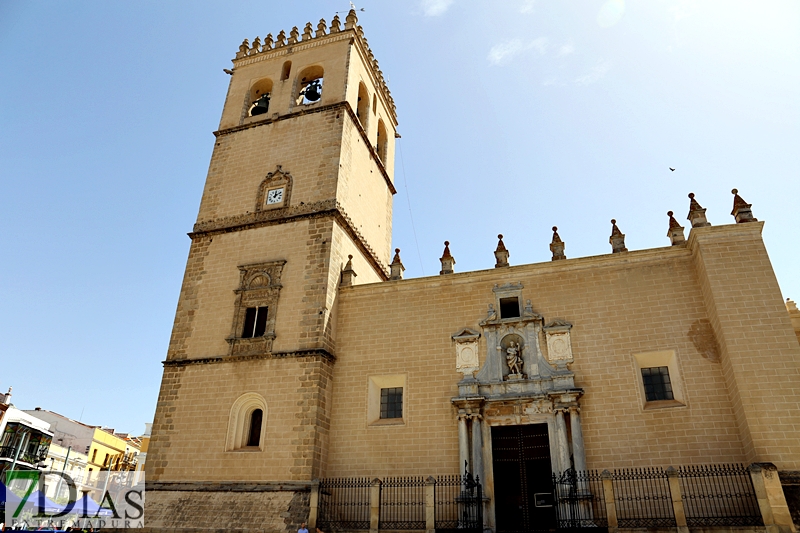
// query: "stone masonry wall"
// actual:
[[240, 510], [619, 305], [760, 353]]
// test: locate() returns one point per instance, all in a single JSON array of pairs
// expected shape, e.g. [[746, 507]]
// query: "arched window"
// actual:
[[247, 423], [259, 97], [309, 86], [382, 141], [362, 110], [254, 437]]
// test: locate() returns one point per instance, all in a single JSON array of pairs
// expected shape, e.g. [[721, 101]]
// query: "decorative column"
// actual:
[[578, 450], [561, 439], [477, 447], [463, 442]]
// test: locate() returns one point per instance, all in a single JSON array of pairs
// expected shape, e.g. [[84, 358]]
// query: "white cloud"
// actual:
[[681, 10], [552, 80], [527, 6], [566, 49], [434, 8], [540, 45], [502, 53], [597, 72], [610, 13]]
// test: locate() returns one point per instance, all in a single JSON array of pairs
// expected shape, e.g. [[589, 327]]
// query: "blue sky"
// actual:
[[515, 116]]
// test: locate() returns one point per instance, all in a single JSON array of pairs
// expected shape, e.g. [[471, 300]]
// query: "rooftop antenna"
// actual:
[[353, 7]]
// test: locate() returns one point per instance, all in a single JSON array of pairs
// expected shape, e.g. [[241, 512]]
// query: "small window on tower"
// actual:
[[392, 402], [255, 322], [362, 109], [509, 307], [254, 436], [287, 69], [382, 141]]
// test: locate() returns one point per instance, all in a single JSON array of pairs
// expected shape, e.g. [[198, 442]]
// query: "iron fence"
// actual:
[[719, 495], [344, 504], [712, 496], [458, 505], [580, 500], [402, 503], [642, 498]]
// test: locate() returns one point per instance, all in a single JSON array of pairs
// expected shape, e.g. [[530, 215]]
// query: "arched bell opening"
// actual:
[[310, 85], [382, 141], [260, 94], [362, 109]]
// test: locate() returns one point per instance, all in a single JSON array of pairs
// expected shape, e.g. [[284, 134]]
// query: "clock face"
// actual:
[[275, 196]]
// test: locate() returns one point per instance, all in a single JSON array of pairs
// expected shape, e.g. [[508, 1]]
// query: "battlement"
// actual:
[[282, 43]]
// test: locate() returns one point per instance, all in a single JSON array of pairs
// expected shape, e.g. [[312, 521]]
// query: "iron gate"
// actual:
[[459, 505], [579, 500]]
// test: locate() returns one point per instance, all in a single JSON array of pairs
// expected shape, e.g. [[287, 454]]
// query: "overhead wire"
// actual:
[[408, 199]]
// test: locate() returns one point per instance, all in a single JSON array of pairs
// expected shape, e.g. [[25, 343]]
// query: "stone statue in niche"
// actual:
[[512, 347], [513, 358]]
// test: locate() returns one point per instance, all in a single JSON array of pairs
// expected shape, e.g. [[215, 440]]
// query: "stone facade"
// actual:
[[296, 219]]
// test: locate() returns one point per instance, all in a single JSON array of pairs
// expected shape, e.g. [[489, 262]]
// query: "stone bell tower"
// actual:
[[301, 178]]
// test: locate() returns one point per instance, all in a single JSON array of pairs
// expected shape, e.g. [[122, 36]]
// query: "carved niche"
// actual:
[[466, 342], [515, 363], [559, 346]]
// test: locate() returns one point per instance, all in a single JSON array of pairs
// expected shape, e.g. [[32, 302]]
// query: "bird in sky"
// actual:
[[672, 169]]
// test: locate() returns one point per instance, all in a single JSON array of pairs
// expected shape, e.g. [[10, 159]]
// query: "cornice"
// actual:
[[260, 218], [611, 261], [723, 233], [343, 35], [325, 208], [324, 354]]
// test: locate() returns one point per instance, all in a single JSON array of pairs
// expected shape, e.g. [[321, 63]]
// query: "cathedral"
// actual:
[[299, 353]]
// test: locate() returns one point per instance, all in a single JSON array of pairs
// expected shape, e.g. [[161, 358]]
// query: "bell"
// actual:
[[261, 106], [313, 91]]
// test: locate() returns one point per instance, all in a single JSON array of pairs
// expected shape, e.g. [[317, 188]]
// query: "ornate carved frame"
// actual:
[[274, 180], [259, 285]]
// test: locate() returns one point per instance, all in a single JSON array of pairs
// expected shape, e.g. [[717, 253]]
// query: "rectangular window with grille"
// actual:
[[392, 402], [657, 385], [255, 322]]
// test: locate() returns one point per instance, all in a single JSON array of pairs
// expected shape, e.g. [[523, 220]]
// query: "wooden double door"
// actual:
[[523, 486]]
